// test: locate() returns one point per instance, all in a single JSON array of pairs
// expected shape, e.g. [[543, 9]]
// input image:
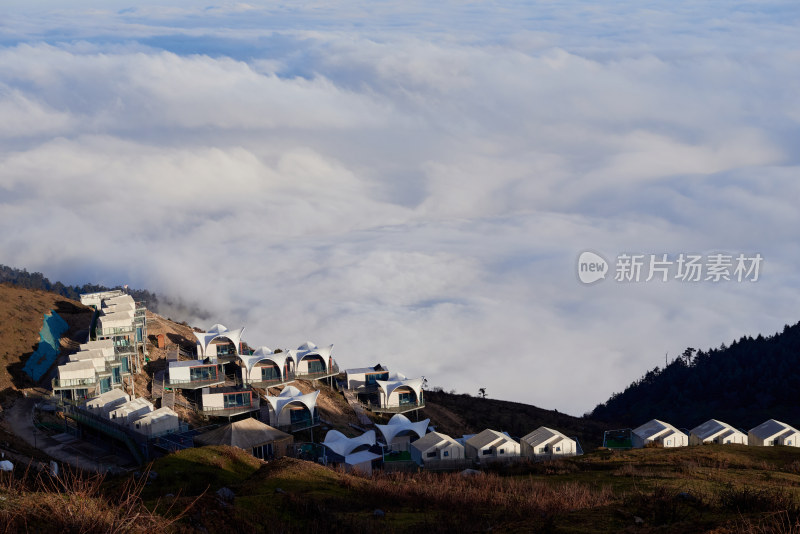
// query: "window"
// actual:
[[316, 365], [270, 372], [487, 451], [501, 451], [299, 415], [202, 374], [370, 379], [405, 398], [236, 400], [431, 454], [789, 442], [445, 453], [558, 449]]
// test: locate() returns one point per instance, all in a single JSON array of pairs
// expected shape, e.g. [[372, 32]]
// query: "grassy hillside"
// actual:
[[515, 418], [699, 489], [21, 313]]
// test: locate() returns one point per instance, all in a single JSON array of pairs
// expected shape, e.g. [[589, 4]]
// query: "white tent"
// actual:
[[263, 354], [714, 431], [774, 432], [397, 383], [398, 426], [491, 444], [659, 432], [204, 339], [360, 462], [546, 441], [290, 396], [343, 446], [309, 350], [435, 446]]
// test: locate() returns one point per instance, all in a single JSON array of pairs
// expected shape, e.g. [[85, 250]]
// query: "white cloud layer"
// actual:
[[413, 184]]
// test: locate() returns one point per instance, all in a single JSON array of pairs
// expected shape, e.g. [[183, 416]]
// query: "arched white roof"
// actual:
[[308, 349], [398, 424], [342, 445], [388, 386], [265, 353], [291, 394], [218, 330]]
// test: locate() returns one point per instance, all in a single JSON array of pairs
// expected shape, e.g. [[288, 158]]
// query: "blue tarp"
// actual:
[[46, 353]]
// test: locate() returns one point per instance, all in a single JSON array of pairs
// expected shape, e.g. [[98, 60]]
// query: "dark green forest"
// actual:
[[27, 280], [744, 384]]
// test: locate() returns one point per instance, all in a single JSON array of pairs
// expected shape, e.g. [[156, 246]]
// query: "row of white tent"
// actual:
[[770, 432], [401, 434]]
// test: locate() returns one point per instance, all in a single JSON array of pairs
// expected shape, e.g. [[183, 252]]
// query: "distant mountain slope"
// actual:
[[744, 384], [513, 417], [35, 280], [21, 314]]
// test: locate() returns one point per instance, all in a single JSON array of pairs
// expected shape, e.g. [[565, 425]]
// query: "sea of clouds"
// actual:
[[414, 182]]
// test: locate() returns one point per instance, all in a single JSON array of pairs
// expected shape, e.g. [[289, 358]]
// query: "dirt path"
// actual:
[[357, 408], [64, 449]]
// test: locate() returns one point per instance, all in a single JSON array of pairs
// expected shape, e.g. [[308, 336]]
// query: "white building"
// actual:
[[267, 368], [79, 378], [106, 402], [773, 432], [360, 462], [714, 431], [399, 394], [434, 447], [397, 433], [313, 362], [219, 342], [130, 411], [120, 332], [655, 431], [293, 409], [228, 401], [92, 355], [194, 374], [546, 442], [106, 346], [491, 444], [95, 300], [157, 423], [365, 378], [341, 445]]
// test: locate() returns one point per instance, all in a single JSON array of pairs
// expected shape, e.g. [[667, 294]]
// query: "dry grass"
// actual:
[[75, 502], [21, 314], [520, 496]]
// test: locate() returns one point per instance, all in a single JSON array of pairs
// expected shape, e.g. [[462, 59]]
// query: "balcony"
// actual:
[[194, 384], [299, 425], [231, 411], [73, 383], [334, 370], [406, 407], [290, 377], [114, 331]]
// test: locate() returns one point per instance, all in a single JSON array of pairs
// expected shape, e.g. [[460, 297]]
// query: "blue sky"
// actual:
[[415, 182]]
